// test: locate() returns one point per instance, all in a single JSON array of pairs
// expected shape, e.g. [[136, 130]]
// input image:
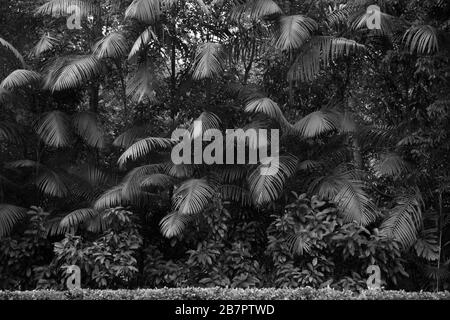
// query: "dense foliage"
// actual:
[[87, 114]]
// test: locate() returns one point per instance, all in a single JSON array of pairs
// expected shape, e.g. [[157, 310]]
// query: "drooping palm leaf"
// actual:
[[404, 220], [158, 180], [192, 196], [59, 8], [73, 72], [208, 61], [254, 9], [52, 183], [236, 194], [178, 170], [53, 129], [143, 147], [131, 189], [143, 40], [318, 52], [9, 216], [10, 132], [421, 39], [206, 121], [427, 246], [126, 139], [78, 217], [46, 43], [19, 78], [147, 11], [87, 127], [142, 85], [390, 165], [13, 50], [114, 45], [315, 124], [174, 223], [110, 199], [268, 107], [267, 181], [293, 31]]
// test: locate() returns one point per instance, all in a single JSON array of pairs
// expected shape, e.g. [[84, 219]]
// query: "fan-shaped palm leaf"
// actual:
[[178, 170], [114, 45], [46, 43], [77, 217], [421, 39], [19, 78], [158, 180], [174, 223], [144, 147], [266, 182], [13, 50], [268, 107], [126, 139], [390, 165], [54, 130], [87, 127], [192, 196], [404, 220], [254, 9], [73, 72], [110, 199], [318, 52], [10, 132], [232, 173], [315, 124], [208, 61], [59, 8], [147, 11], [51, 183], [236, 194], [131, 189], [293, 31], [206, 121], [143, 40], [9, 216]]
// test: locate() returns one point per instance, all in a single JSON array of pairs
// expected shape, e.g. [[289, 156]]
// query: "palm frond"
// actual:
[[19, 78], [46, 43], [110, 199], [143, 147], [174, 224], [10, 132], [73, 72], [404, 220], [315, 124], [293, 31], [52, 183], [268, 107], [236, 194], [126, 139], [158, 180], [320, 51], [266, 182], [9, 216], [142, 85], [78, 217], [54, 130], [147, 11], [192, 196], [232, 173], [87, 127], [131, 189], [208, 61], [385, 27], [421, 39], [427, 246], [114, 45], [58, 8], [254, 9], [178, 170], [390, 165], [206, 121], [13, 50], [143, 40]]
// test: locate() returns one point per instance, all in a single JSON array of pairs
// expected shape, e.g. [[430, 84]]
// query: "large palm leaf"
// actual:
[[46, 43], [404, 220], [142, 85], [315, 124], [143, 147], [174, 224], [192, 196], [293, 31], [110, 199], [390, 165], [78, 217], [254, 9], [319, 51], [54, 129], [59, 8], [267, 181], [114, 45], [9, 216], [19, 78], [147, 11], [12, 49], [143, 40], [421, 39], [73, 72], [87, 127], [268, 107], [206, 121], [208, 61], [10, 132]]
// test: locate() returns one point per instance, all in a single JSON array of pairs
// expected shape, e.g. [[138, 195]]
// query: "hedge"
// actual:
[[220, 294]]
